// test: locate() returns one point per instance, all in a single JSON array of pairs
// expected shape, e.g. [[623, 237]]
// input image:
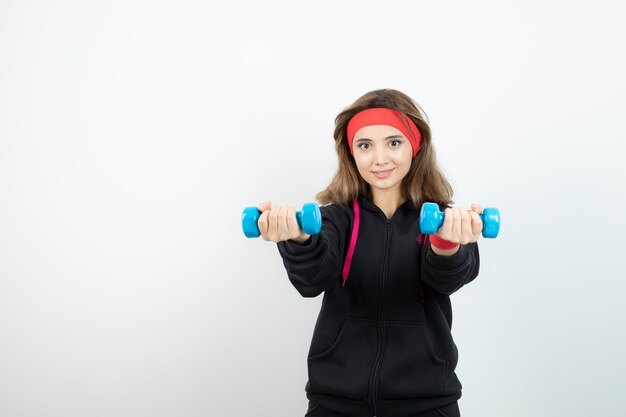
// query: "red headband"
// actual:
[[384, 116]]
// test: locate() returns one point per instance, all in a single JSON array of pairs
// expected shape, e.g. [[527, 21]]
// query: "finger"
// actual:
[[457, 225], [466, 227], [273, 226], [263, 224], [283, 227], [477, 224], [292, 223], [445, 231], [477, 208], [266, 205]]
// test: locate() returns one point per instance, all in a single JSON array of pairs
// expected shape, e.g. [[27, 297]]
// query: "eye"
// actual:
[[398, 141], [363, 143]]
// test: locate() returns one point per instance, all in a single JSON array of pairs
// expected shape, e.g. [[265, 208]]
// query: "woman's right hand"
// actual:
[[278, 224]]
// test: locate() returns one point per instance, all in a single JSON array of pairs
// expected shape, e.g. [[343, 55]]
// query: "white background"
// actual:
[[133, 134]]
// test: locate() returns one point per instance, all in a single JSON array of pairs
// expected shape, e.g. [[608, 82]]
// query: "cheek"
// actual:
[[361, 162], [402, 159], [407, 157], [405, 163]]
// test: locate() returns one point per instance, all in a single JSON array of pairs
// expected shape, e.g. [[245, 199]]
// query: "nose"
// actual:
[[381, 156]]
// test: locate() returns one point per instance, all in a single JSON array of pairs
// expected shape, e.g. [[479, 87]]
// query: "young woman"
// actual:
[[382, 344]]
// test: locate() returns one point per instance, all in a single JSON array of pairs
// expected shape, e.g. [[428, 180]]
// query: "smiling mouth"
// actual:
[[382, 174]]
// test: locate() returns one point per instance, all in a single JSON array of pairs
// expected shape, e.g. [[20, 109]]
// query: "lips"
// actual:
[[382, 174]]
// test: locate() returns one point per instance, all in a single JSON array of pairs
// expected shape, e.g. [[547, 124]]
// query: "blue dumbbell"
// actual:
[[309, 220], [431, 220]]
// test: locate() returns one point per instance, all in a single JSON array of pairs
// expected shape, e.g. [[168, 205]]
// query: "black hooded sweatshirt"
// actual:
[[382, 344]]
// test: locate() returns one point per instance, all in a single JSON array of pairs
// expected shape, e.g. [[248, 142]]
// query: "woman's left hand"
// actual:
[[461, 225]]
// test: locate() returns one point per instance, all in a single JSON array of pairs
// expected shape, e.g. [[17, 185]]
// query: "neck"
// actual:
[[388, 201]]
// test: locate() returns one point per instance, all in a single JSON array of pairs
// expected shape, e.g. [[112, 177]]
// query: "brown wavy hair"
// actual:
[[424, 181]]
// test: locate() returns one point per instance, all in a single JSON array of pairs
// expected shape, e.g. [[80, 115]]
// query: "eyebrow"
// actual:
[[387, 138]]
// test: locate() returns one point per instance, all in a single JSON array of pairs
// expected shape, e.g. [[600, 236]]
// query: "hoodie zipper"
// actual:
[[382, 309]]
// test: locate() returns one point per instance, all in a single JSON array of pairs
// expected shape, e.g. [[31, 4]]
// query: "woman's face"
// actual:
[[379, 148]]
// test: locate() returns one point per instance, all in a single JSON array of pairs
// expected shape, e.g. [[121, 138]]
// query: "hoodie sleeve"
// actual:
[[314, 267], [447, 274]]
